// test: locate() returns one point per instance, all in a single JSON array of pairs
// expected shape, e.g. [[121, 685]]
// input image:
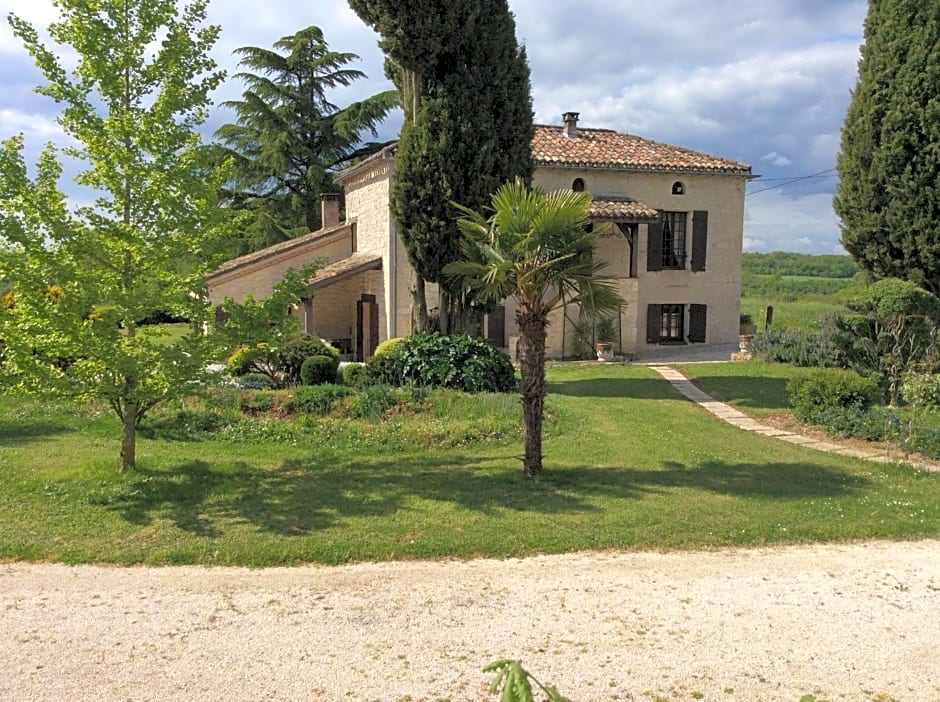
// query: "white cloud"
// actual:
[[776, 221], [13, 121], [775, 159]]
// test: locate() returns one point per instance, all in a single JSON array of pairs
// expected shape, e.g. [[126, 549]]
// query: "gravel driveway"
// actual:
[[846, 622]]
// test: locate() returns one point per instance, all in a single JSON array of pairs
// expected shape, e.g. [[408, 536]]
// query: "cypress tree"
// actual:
[[465, 88], [889, 165]]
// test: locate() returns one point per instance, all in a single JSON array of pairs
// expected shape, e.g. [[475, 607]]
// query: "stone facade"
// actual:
[[637, 185]]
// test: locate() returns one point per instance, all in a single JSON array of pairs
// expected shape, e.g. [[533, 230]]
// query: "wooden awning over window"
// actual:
[[621, 209]]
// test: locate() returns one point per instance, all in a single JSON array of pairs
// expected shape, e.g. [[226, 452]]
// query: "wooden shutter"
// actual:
[[699, 239], [654, 323], [654, 245], [697, 317]]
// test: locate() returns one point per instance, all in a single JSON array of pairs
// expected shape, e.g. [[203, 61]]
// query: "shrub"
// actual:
[[798, 347], [388, 346], [255, 381], [297, 349], [319, 399], [372, 402], [872, 424], [256, 402], [827, 388], [317, 370], [383, 370], [355, 375], [241, 361], [457, 362], [921, 390]]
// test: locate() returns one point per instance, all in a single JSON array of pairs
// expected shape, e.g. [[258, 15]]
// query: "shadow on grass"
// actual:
[[23, 432], [748, 391], [305, 496], [633, 388]]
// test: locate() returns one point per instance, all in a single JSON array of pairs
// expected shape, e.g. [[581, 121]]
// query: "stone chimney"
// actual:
[[329, 210], [571, 124]]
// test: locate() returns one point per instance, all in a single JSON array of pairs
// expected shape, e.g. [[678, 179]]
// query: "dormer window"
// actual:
[[678, 188], [577, 185]]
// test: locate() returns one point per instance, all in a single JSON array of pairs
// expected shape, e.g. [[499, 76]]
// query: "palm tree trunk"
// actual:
[[532, 365]]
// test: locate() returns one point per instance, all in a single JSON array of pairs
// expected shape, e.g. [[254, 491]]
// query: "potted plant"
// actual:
[[605, 331]]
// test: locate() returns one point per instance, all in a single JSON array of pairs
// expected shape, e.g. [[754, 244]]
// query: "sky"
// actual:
[[766, 83]]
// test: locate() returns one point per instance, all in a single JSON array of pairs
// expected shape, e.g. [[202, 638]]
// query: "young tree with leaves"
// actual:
[[84, 277], [289, 139], [465, 89], [535, 248], [889, 165]]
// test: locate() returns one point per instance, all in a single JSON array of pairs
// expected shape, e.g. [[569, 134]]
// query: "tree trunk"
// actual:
[[419, 304], [129, 437], [532, 366], [443, 309]]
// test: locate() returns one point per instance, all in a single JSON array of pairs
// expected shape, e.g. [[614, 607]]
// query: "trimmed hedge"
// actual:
[[829, 388], [317, 370], [457, 362]]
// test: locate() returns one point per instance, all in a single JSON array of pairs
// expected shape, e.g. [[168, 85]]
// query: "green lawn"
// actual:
[[757, 388], [804, 314], [630, 465]]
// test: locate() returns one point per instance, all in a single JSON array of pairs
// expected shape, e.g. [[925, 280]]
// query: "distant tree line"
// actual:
[[786, 263]]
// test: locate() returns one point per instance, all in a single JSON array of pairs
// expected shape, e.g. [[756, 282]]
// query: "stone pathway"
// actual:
[[737, 418]]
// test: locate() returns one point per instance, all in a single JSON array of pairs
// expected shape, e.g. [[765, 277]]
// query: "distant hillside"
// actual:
[[785, 263]]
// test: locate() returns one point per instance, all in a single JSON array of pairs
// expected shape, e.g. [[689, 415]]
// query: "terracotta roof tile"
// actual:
[[622, 208], [605, 148]]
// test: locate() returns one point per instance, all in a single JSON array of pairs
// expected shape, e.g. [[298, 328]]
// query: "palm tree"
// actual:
[[537, 248], [289, 138]]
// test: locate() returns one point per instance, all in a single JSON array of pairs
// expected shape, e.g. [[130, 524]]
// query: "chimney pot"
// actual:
[[571, 124], [329, 210]]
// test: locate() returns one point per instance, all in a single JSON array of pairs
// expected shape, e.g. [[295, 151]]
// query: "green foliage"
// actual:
[[289, 139], [253, 322], [134, 89], [282, 362], [317, 370], [355, 375], [468, 121], [456, 362], [921, 390], [827, 388], [257, 401], [536, 248], [387, 347], [891, 329], [512, 683], [796, 289], [781, 263], [801, 348], [382, 370], [887, 198], [253, 381], [319, 399], [297, 349], [371, 402]]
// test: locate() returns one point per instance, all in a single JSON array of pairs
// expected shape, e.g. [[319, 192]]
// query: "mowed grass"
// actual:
[[629, 465], [757, 388], [805, 314]]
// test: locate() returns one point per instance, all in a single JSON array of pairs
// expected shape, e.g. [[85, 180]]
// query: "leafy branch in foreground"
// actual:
[[514, 683]]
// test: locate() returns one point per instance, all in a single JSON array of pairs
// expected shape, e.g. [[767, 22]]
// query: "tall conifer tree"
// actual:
[[289, 138], [465, 89], [889, 165]]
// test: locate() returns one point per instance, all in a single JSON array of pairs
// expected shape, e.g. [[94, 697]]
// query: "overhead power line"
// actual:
[[790, 181]]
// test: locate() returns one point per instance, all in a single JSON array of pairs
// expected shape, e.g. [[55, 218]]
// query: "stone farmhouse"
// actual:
[[675, 227]]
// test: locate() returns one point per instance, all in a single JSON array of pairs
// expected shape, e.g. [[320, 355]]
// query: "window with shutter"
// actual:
[[699, 239], [697, 323]]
